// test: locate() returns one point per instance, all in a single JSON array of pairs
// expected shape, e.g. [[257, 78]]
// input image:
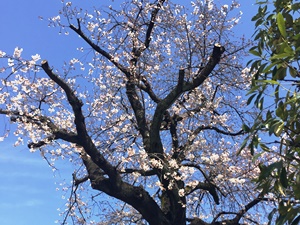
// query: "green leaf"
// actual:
[[250, 99], [281, 25], [280, 109], [278, 128], [283, 178], [293, 72], [268, 68], [279, 187], [264, 147], [277, 94], [268, 81], [242, 146], [246, 128], [280, 74], [281, 55], [256, 53]]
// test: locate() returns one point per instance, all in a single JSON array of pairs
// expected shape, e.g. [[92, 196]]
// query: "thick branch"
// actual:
[[147, 88], [97, 165], [211, 188], [142, 172], [180, 88], [151, 25], [201, 128], [132, 195], [73, 100], [139, 111], [83, 138]]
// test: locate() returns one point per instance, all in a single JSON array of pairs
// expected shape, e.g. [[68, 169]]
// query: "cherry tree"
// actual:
[[151, 115]]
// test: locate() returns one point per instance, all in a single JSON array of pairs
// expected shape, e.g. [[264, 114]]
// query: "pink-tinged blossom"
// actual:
[[17, 53], [36, 57], [181, 192], [2, 54]]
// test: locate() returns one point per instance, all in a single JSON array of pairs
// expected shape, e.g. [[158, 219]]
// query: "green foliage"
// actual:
[[275, 92]]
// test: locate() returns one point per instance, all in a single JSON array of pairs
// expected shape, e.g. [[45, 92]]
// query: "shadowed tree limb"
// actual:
[[234, 221], [97, 165], [133, 195], [97, 48], [181, 87]]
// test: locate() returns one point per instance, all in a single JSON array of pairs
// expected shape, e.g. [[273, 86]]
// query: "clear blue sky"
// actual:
[[27, 187]]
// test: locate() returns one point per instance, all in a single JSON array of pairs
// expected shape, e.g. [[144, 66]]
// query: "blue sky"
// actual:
[[28, 185]]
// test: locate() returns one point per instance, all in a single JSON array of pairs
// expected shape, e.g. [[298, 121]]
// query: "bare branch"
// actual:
[[152, 21], [209, 186], [78, 181], [241, 213], [148, 89], [142, 172], [98, 49]]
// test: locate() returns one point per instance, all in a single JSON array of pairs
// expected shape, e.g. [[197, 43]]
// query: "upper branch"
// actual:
[[151, 25], [38, 120], [97, 48], [83, 138], [138, 51], [148, 89], [180, 88], [73, 100], [201, 128]]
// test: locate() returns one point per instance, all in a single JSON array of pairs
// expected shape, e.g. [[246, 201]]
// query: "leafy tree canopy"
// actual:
[[275, 92]]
